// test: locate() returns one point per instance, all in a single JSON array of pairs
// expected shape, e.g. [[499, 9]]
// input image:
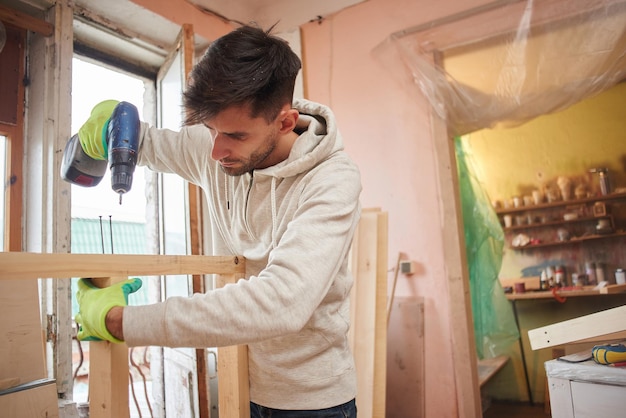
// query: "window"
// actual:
[[99, 223]]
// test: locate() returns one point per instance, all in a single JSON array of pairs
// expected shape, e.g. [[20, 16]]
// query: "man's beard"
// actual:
[[255, 159]]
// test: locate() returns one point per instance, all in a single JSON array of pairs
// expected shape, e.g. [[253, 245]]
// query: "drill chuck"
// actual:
[[123, 135]]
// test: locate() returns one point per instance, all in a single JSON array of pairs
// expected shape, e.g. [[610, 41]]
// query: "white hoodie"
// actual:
[[294, 223]]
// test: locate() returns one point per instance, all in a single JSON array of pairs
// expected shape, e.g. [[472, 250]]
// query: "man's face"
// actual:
[[241, 143]]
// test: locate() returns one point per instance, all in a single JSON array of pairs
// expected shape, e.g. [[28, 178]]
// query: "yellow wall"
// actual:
[[589, 134], [515, 161]]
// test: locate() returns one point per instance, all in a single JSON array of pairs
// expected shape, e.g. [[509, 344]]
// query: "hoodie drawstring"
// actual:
[[274, 215], [226, 192]]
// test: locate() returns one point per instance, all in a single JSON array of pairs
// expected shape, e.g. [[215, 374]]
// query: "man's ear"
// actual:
[[287, 119]]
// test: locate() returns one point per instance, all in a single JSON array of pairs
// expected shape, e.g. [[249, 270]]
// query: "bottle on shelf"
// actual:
[[543, 281], [559, 277], [590, 271], [599, 273], [551, 276]]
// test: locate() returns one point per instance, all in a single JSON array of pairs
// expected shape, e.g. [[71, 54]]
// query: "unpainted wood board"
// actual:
[[21, 345], [609, 322], [108, 374], [368, 334], [487, 368], [38, 402], [23, 265], [233, 375], [405, 359]]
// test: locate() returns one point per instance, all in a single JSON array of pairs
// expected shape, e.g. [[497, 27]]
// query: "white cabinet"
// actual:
[[586, 390]]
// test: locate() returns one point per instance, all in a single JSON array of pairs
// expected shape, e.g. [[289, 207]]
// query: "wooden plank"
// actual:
[[39, 401], [108, 373], [405, 360], [21, 345], [613, 288], [233, 383], [603, 324], [487, 368], [567, 293], [368, 311], [194, 214], [380, 318], [22, 265], [26, 21], [456, 271]]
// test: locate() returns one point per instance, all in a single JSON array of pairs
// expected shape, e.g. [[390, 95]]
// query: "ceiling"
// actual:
[[120, 31], [288, 14]]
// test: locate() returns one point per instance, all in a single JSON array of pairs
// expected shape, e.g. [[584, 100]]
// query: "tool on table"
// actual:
[[123, 140], [609, 353]]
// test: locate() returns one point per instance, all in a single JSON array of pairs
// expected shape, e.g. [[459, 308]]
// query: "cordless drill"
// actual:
[[123, 140]]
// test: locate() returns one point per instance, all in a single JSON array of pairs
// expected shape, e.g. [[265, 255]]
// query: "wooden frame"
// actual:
[[600, 326], [368, 316], [14, 131], [108, 393]]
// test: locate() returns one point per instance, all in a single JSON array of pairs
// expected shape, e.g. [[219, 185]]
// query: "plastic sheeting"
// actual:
[[509, 61], [494, 324]]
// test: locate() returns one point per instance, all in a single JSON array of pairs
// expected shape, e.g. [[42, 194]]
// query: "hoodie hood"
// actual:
[[318, 139]]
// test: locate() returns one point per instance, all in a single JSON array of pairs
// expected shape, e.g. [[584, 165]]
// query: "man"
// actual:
[[281, 192]]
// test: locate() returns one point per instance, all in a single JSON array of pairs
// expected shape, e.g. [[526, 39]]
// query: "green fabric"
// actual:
[[494, 323], [94, 304], [93, 133]]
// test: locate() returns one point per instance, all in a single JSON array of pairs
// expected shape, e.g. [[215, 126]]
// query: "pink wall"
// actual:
[[388, 134], [183, 12]]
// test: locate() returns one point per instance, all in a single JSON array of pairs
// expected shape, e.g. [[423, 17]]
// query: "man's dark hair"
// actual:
[[247, 66]]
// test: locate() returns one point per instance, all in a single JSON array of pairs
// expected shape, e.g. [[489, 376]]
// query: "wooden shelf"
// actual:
[[611, 289], [555, 223], [572, 241], [564, 203]]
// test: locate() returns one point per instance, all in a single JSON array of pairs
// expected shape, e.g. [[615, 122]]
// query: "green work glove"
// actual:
[[93, 133], [94, 303]]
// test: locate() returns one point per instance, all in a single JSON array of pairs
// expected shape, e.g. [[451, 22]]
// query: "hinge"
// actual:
[[51, 328]]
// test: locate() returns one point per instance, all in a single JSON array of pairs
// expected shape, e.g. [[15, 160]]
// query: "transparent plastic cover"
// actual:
[[507, 62]]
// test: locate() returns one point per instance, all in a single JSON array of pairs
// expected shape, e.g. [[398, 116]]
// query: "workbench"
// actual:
[[581, 301], [586, 390]]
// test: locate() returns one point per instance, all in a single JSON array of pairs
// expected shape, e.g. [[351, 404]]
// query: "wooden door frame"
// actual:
[[14, 132]]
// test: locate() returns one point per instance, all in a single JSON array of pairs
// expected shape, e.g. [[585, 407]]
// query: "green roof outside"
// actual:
[[89, 236]]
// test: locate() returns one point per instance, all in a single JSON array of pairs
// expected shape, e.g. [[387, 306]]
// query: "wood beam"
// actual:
[[108, 373], [233, 384], [22, 265], [604, 325], [25, 21]]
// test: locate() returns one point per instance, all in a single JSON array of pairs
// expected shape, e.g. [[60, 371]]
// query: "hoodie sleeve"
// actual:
[[304, 283], [162, 150]]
